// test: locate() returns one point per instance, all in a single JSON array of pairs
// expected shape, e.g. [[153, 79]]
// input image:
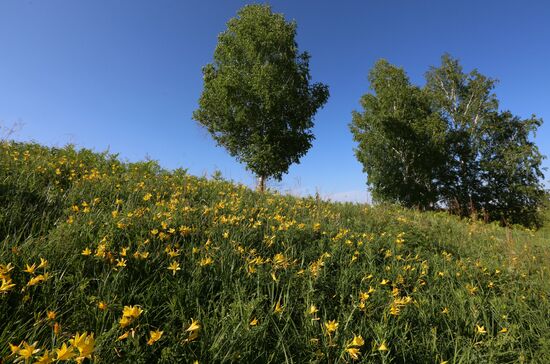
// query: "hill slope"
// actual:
[[127, 251]]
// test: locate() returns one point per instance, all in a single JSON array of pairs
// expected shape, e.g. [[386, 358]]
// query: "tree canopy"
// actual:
[[258, 100], [447, 145]]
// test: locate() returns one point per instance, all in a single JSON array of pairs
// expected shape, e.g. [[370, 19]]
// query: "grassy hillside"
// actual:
[[544, 231], [165, 267]]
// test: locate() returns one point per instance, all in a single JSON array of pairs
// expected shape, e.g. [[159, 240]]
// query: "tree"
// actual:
[[447, 145], [400, 140], [492, 166], [257, 100], [465, 104], [510, 164]]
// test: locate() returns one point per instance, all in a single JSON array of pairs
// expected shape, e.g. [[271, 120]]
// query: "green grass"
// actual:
[[242, 254]]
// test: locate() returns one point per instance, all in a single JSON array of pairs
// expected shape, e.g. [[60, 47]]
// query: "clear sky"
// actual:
[[126, 75]]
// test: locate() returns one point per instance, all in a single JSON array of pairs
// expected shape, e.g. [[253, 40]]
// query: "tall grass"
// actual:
[[263, 275]]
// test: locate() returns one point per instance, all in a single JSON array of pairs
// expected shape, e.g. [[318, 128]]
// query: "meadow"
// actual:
[[111, 262]]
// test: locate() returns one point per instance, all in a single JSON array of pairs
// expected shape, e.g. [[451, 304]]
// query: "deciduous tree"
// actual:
[[400, 140], [258, 100], [448, 145]]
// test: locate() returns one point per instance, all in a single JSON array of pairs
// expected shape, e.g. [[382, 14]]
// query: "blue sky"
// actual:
[[126, 75]]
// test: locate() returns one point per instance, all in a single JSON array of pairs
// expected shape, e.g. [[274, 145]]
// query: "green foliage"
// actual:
[[510, 165], [257, 100], [264, 249], [545, 213], [401, 142], [448, 145]]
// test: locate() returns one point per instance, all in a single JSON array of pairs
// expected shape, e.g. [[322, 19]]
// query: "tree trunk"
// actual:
[[261, 184]]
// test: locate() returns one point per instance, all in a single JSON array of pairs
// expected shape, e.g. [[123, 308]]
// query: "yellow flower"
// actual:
[[353, 353], [384, 282], [6, 285], [193, 330], [471, 289], [131, 311], [205, 261], [78, 339], [147, 197], [85, 345], [100, 251], [56, 328], [65, 353], [5, 269], [172, 253], [35, 280], [123, 336], [45, 359], [445, 311], [126, 334], [155, 336], [174, 267], [102, 305], [51, 315], [27, 351], [125, 321], [383, 347], [30, 268], [43, 263], [15, 348], [254, 322], [331, 326], [357, 341], [194, 326], [121, 262], [313, 310], [480, 330], [504, 330], [86, 252], [278, 308], [394, 310]]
